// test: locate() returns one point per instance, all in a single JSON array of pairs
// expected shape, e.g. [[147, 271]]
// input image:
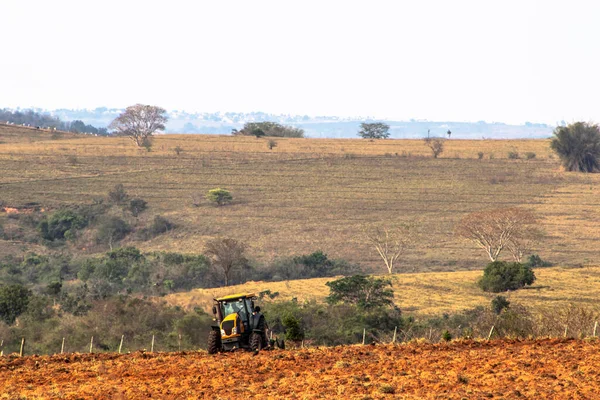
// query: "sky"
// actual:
[[481, 60]]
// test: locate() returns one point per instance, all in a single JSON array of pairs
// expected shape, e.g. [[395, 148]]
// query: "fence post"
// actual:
[[395, 331], [121, 344], [595, 328], [491, 332], [92, 345], [1, 345], [22, 347], [364, 335], [179, 342], [62, 347], [566, 330], [152, 345]]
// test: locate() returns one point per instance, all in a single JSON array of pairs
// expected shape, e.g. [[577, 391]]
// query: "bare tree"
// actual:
[[227, 254], [504, 228], [139, 122], [390, 242], [436, 145]]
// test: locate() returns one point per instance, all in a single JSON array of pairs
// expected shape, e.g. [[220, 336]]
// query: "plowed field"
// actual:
[[543, 369]]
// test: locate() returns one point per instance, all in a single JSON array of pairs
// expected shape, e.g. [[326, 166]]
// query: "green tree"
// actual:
[[499, 303], [363, 291], [374, 130], [578, 146], [219, 196], [501, 276], [269, 128], [118, 194], [62, 224], [13, 302]]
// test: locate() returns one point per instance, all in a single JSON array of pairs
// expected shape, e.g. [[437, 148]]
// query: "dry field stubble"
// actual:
[[432, 293], [310, 194], [542, 369]]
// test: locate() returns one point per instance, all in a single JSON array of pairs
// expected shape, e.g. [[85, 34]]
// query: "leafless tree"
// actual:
[[436, 145], [227, 254], [139, 122], [390, 242], [513, 229]]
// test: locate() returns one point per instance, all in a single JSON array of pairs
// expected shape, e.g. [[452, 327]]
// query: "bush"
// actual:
[[112, 230], [499, 303], [62, 224], [159, 226], [513, 155], [271, 144], [137, 206], [270, 129], [219, 196], [363, 291], [578, 146], [13, 302], [501, 276], [535, 261], [480, 155], [530, 155], [118, 195]]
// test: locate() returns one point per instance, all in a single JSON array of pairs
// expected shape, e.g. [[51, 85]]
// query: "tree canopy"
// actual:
[[360, 290], [374, 130], [269, 128], [139, 122], [578, 146]]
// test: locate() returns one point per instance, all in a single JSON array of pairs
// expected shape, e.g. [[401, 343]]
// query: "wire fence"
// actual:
[[20, 348]]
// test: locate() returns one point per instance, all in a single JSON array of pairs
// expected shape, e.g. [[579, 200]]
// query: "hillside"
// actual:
[[432, 293], [310, 194], [542, 369]]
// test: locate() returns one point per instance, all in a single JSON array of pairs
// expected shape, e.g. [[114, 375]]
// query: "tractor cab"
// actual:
[[238, 326]]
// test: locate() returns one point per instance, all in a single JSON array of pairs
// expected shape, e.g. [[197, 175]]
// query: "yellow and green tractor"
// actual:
[[240, 324]]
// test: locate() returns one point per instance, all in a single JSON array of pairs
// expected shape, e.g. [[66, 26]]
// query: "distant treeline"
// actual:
[[35, 119]]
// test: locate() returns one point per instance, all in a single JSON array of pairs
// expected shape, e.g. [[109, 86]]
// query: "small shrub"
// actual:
[[446, 336], [118, 195], [111, 230], [159, 226], [387, 389], [271, 144], [499, 303], [501, 276], [491, 156], [530, 155], [219, 196], [72, 159], [137, 206], [178, 150], [293, 327], [535, 261], [480, 155], [513, 155]]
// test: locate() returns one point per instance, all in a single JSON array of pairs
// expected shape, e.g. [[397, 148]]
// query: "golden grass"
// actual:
[[430, 293], [314, 194]]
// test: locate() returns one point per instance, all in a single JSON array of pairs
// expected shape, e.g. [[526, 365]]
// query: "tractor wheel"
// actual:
[[256, 341], [214, 342]]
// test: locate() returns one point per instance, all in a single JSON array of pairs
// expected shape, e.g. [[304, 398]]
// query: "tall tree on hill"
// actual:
[[139, 122], [578, 146]]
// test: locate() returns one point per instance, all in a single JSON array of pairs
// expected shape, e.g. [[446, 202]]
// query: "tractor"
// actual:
[[240, 325]]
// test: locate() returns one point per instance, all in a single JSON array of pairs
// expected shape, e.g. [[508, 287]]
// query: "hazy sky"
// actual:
[[510, 61]]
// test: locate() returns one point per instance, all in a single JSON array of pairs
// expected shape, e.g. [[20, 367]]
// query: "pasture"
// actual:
[[311, 194]]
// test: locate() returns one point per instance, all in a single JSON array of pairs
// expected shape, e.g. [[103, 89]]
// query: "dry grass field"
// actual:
[[311, 194], [432, 293]]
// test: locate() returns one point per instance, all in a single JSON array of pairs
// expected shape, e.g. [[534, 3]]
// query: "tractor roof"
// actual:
[[236, 296]]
